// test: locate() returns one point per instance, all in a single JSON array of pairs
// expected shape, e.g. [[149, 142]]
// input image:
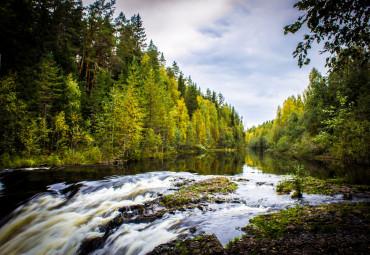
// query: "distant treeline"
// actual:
[[331, 118], [78, 85]]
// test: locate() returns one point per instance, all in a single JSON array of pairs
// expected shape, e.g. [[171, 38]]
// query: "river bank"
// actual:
[[334, 228], [323, 229], [328, 158], [91, 157]]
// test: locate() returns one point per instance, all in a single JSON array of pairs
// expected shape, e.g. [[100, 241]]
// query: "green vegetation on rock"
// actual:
[[195, 193], [321, 219], [312, 185]]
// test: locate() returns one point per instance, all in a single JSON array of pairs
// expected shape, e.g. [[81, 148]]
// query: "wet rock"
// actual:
[[347, 196], [220, 201], [202, 208], [193, 230], [264, 183], [90, 245], [142, 213], [201, 244], [260, 183], [71, 190], [242, 180]]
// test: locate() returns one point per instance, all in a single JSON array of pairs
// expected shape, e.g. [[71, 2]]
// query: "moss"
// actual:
[[312, 185], [199, 237], [321, 219], [198, 192], [285, 186], [232, 242]]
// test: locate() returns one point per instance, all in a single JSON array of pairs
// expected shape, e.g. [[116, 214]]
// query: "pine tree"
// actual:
[[153, 53], [181, 85], [191, 98], [139, 36], [49, 84]]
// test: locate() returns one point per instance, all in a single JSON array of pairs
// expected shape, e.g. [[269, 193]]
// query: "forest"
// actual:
[[330, 119], [81, 85]]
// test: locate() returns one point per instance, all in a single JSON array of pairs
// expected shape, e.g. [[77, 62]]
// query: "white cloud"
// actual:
[[173, 25]]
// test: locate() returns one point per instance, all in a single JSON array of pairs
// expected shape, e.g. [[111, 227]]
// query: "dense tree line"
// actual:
[[330, 118], [79, 84]]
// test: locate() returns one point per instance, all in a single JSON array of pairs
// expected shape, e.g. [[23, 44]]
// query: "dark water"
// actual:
[[19, 185], [352, 174]]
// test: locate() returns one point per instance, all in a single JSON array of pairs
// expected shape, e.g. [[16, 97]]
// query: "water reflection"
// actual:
[[273, 164], [226, 163]]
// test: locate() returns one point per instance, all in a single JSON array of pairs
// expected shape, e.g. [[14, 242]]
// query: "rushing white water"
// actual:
[[57, 222], [142, 238], [50, 224]]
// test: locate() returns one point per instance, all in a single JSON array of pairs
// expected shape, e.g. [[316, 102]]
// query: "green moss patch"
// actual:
[[198, 192], [326, 229], [312, 185], [323, 219], [331, 187]]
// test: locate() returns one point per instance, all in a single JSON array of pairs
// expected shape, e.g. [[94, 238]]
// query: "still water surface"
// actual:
[[51, 211]]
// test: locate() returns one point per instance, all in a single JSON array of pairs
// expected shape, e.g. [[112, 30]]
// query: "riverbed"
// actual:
[[54, 210]]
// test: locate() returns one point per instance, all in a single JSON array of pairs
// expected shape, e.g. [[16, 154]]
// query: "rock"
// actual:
[[201, 244], [90, 245], [220, 201], [192, 230], [242, 180], [347, 196]]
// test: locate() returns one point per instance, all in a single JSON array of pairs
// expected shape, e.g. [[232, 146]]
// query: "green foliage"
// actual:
[[14, 115], [298, 180], [88, 89], [331, 118], [328, 119], [283, 144], [284, 186], [342, 27], [296, 183]]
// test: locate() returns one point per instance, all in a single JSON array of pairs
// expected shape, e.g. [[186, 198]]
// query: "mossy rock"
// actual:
[[198, 192], [201, 244]]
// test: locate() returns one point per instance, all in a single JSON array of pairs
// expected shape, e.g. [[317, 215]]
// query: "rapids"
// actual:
[[58, 220]]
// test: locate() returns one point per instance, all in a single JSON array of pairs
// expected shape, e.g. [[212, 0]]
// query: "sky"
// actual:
[[235, 47]]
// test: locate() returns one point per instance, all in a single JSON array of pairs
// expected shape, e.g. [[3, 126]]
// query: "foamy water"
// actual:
[[58, 221]]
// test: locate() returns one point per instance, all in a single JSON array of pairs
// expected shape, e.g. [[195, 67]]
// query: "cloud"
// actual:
[[173, 25]]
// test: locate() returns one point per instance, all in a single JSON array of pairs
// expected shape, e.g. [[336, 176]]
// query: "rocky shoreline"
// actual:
[[326, 229], [341, 228]]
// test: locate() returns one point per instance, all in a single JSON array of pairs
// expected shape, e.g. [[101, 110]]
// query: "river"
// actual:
[[53, 210]]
